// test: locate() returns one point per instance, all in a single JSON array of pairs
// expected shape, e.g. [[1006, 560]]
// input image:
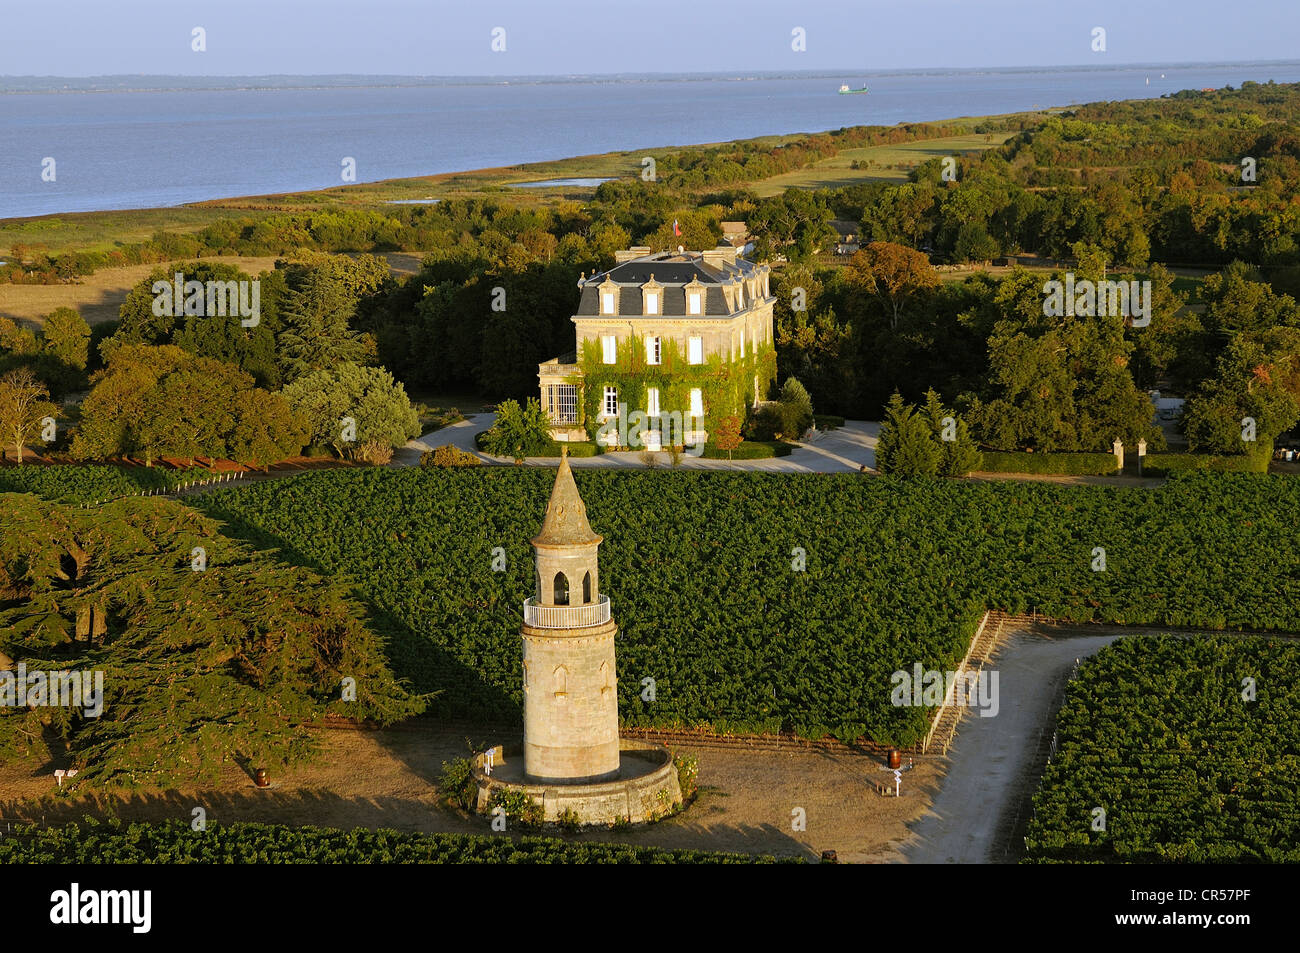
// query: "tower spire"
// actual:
[[566, 515]]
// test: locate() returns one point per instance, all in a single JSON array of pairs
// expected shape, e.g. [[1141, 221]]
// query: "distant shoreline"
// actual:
[[147, 83]]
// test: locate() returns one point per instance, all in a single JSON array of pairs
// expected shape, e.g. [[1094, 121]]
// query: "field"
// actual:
[[99, 296], [700, 570], [1158, 732], [888, 163], [175, 843]]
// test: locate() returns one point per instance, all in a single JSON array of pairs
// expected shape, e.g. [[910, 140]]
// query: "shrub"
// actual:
[[577, 448], [1071, 464], [376, 452], [688, 774], [796, 409], [172, 842], [519, 807], [828, 421], [1162, 464], [518, 432], [764, 423], [449, 456], [749, 450], [458, 784]]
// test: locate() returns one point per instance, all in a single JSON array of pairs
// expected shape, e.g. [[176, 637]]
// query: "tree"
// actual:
[[819, 351], [959, 455], [347, 406], [251, 651], [518, 432], [67, 337], [796, 409], [316, 335], [1248, 397], [16, 339], [906, 446], [895, 275], [726, 434], [221, 337], [162, 401], [23, 407]]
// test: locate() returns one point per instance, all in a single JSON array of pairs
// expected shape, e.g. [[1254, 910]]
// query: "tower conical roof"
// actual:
[[566, 515]]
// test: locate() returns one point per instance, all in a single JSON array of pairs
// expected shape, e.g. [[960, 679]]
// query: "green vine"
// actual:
[[725, 385]]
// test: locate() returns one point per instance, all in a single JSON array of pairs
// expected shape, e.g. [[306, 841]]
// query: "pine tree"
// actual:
[[906, 447], [316, 333], [959, 455]]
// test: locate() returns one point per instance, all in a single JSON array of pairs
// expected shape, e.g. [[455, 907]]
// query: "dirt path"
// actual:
[[388, 779]]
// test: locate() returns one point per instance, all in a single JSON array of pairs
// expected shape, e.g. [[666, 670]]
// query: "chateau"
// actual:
[[674, 336]]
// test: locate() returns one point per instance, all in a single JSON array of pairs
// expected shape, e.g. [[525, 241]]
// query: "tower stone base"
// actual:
[[646, 788]]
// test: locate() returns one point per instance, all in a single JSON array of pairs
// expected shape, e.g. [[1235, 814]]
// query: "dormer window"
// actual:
[[694, 298], [609, 298], [652, 297]]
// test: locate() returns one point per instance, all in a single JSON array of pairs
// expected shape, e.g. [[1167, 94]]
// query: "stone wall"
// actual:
[[646, 790]]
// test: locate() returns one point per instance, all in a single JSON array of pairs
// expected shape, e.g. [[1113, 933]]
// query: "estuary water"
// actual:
[[164, 147]]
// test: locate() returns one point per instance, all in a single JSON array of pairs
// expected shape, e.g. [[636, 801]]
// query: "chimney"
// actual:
[[636, 251], [722, 255]]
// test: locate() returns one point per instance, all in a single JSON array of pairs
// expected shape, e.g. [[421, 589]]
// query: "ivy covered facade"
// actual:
[[667, 344]]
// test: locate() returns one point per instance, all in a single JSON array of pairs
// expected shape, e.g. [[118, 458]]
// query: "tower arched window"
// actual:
[[586, 588], [561, 680], [561, 589]]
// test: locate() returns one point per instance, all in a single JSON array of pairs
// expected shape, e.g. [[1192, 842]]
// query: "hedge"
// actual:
[[749, 450], [828, 421], [577, 448], [1066, 464], [1163, 464]]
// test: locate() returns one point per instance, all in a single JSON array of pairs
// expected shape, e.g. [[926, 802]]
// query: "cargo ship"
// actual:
[[845, 91]]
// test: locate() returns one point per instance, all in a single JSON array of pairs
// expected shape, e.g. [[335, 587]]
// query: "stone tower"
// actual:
[[570, 688]]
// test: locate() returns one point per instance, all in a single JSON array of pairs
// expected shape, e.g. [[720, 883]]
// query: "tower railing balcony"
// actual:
[[566, 617]]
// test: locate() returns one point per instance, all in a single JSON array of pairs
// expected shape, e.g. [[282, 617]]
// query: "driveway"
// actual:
[[995, 762], [845, 450]]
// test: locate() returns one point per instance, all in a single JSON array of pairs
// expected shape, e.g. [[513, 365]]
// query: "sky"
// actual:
[[565, 37]]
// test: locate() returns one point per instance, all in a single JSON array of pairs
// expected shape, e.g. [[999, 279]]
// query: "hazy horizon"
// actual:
[[417, 38]]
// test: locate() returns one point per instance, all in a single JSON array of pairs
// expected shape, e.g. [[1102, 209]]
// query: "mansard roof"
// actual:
[[674, 271]]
